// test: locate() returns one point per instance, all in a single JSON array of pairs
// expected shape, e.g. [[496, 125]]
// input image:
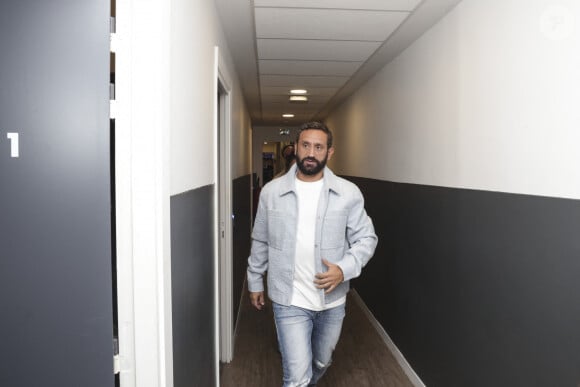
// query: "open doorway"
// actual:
[[277, 157], [225, 221]]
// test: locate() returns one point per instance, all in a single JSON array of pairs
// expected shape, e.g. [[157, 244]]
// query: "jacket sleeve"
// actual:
[[258, 260], [361, 239]]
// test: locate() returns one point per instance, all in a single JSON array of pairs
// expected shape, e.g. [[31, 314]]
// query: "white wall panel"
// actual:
[[194, 33], [485, 100], [195, 30]]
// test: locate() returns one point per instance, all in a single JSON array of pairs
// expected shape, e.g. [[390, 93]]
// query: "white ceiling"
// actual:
[[328, 47]]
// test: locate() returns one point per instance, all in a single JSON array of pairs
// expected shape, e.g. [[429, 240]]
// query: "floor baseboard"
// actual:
[[413, 377]]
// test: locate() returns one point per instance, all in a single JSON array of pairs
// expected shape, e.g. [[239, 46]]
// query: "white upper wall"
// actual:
[[487, 99], [195, 31]]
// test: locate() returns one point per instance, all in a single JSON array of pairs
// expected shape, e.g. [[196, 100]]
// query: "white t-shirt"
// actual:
[[305, 294]]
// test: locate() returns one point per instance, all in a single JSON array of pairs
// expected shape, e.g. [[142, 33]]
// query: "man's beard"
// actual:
[[310, 171]]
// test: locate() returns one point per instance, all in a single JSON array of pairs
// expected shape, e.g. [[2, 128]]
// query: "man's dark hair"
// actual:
[[316, 126]]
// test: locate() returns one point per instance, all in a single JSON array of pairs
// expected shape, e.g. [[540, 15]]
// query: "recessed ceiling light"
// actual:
[[288, 115], [298, 91], [298, 98]]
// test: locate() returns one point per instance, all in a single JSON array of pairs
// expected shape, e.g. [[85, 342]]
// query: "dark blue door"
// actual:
[[56, 318]]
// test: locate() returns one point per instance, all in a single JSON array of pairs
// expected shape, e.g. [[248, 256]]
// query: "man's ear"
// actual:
[[330, 152]]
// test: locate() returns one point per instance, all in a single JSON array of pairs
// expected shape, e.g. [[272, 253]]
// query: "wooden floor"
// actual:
[[361, 358]]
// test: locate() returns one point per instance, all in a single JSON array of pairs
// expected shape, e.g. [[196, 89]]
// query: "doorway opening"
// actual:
[[275, 161]]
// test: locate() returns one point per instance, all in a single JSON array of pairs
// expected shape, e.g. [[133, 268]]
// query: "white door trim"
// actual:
[[224, 209], [142, 193]]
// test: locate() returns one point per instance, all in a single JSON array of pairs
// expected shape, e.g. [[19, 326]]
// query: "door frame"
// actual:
[[224, 212]]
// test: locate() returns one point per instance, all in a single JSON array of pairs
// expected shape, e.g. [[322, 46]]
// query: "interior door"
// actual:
[[56, 319]]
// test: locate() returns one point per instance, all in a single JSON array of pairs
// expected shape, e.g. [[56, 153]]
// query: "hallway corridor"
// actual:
[[137, 136], [361, 357]]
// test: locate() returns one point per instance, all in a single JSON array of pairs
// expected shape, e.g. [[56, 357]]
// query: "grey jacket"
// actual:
[[344, 235]]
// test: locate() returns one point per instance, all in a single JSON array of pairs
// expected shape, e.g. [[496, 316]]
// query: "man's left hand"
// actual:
[[330, 279]]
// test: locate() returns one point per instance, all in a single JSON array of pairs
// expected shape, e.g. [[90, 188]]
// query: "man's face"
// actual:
[[312, 153]]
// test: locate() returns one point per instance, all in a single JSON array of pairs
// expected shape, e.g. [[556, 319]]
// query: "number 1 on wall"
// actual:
[[14, 144]]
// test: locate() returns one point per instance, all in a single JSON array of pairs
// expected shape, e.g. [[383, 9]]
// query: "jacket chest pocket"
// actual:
[[278, 228], [334, 229]]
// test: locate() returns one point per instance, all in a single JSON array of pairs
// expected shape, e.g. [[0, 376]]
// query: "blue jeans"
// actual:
[[306, 339]]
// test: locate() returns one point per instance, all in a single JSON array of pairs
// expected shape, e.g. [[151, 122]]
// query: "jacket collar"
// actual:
[[288, 184]]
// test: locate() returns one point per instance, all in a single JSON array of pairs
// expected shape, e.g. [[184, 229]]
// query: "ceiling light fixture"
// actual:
[[298, 91], [298, 98], [288, 115]]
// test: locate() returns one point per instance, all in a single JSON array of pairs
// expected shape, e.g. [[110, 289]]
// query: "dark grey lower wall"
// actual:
[[476, 288], [192, 280], [242, 199]]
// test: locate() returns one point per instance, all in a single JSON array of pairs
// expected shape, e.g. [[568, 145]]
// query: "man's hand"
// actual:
[[331, 279], [257, 299]]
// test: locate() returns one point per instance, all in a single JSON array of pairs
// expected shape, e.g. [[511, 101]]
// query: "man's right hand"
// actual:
[[257, 299]]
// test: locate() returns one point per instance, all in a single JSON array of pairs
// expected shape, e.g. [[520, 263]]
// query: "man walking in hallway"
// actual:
[[312, 235]]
